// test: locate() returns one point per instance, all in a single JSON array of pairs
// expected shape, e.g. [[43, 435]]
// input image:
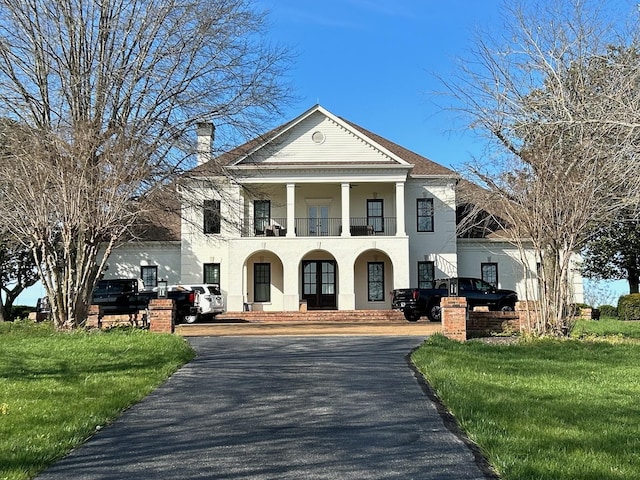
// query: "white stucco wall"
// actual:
[[125, 261], [440, 245], [513, 272]]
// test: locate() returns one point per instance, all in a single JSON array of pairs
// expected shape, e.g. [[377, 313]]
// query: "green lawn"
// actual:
[[545, 409], [56, 389], [607, 327]]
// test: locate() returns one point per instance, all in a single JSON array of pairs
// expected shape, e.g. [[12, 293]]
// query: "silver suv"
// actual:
[[209, 300]]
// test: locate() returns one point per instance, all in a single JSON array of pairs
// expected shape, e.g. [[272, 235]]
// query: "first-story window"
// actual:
[[261, 282], [489, 273], [426, 274], [211, 273], [375, 281], [149, 276], [211, 214]]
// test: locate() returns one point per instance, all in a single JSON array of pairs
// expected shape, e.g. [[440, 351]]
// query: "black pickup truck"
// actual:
[[417, 302], [121, 296]]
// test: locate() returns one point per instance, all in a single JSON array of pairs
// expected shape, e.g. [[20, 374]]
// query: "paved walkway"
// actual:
[[281, 408]]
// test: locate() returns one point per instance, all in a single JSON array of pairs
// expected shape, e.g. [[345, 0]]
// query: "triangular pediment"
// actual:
[[319, 138]]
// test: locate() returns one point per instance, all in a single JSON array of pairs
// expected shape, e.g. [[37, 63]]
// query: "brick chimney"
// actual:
[[205, 133]]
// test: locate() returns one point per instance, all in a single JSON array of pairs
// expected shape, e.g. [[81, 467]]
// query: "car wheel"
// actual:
[[507, 308], [191, 318], [434, 312], [411, 315]]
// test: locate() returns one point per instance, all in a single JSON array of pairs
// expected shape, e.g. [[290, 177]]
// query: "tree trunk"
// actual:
[[634, 279]]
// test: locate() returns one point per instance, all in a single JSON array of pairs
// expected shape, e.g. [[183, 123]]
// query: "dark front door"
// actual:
[[319, 284]]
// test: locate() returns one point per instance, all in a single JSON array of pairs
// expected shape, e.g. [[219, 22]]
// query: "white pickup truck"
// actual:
[[209, 300]]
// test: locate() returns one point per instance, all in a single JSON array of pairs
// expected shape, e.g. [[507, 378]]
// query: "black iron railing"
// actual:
[[320, 227]]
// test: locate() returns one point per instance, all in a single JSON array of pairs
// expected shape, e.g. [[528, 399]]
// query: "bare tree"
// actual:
[[17, 273], [106, 95], [560, 107]]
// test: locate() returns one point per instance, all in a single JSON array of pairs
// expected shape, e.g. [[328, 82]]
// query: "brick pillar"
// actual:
[[162, 313], [94, 317], [454, 318], [529, 313]]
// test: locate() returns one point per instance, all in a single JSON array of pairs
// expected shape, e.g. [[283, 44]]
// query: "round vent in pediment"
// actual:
[[318, 137]]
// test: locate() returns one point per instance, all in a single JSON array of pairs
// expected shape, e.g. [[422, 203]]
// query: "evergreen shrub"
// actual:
[[629, 307], [608, 311]]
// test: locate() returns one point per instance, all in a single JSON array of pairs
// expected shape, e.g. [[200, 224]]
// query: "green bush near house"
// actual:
[[21, 312], [629, 307], [543, 409], [608, 311], [57, 388]]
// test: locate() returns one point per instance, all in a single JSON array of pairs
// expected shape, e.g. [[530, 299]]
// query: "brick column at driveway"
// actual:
[[93, 317], [162, 315], [454, 317]]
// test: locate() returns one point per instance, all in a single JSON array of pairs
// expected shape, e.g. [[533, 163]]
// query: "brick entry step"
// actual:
[[314, 316]]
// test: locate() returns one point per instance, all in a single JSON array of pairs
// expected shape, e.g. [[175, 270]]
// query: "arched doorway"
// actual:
[[264, 282], [319, 276], [373, 276]]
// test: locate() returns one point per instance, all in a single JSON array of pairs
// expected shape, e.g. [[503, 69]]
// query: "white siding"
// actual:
[[339, 145]]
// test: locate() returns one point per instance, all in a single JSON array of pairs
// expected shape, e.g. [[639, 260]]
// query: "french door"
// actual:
[[319, 220], [319, 284]]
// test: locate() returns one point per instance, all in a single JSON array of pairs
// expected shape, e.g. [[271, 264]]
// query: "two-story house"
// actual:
[[320, 211]]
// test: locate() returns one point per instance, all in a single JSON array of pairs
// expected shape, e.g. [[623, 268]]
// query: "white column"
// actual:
[[346, 208], [291, 209], [400, 214]]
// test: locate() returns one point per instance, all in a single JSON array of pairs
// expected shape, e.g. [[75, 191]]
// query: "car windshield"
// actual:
[[214, 289], [483, 286]]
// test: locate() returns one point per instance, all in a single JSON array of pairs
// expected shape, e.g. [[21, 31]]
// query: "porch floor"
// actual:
[[313, 322]]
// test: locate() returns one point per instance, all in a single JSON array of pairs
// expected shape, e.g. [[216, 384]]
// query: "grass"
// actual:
[[57, 389], [543, 409], [606, 327]]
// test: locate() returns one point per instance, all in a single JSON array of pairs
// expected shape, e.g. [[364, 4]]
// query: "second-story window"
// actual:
[[375, 215], [425, 214], [261, 215], [211, 213]]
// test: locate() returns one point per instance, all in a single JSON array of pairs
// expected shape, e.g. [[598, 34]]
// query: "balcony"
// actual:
[[320, 227]]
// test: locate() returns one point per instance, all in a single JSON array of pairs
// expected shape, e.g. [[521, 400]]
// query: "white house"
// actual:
[[322, 211]]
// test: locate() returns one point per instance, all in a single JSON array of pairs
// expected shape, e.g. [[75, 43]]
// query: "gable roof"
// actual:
[[419, 165]]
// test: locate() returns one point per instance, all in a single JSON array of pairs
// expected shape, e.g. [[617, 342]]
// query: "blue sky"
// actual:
[[375, 62]]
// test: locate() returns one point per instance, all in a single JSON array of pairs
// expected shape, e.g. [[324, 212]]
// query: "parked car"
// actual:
[[417, 302], [125, 296], [209, 300]]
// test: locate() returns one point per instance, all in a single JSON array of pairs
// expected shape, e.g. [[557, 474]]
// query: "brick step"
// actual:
[[404, 328], [315, 316]]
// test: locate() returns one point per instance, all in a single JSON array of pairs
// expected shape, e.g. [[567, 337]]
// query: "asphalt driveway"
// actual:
[[281, 408]]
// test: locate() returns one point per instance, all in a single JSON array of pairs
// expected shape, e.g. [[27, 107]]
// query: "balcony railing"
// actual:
[[320, 227]]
